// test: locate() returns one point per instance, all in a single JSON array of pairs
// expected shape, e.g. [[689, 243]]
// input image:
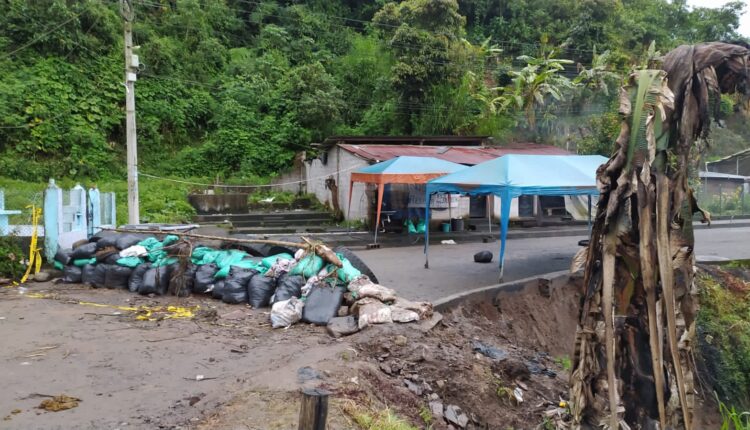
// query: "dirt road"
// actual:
[[132, 374]]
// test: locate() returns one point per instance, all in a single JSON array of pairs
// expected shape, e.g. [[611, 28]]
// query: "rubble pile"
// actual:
[[299, 287]]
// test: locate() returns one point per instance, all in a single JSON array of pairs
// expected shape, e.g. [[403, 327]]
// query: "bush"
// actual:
[[11, 258]]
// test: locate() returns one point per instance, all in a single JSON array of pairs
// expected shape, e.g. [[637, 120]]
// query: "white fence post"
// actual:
[[77, 208], [95, 211], [109, 212], [52, 219]]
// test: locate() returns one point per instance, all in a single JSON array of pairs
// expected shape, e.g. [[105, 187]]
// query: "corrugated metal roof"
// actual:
[[457, 154], [717, 175]]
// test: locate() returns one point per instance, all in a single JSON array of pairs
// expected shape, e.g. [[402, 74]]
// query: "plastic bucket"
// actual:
[[457, 224], [445, 227]]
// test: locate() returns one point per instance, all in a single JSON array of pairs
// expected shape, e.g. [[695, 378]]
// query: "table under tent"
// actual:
[[511, 176], [400, 170]]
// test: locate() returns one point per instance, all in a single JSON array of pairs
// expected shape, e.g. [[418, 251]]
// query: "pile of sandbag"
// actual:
[[300, 287]]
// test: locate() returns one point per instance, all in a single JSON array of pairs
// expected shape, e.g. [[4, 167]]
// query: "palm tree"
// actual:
[[633, 363]]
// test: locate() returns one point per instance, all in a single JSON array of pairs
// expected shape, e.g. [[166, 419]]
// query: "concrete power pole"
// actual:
[[131, 65]]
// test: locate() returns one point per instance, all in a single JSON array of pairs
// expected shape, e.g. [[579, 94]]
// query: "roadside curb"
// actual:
[[488, 293]]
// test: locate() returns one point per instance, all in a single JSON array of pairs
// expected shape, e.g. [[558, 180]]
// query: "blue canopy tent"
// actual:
[[400, 170], [514, 175]]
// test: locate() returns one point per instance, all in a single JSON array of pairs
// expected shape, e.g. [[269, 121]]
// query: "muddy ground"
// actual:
[[132, 374]]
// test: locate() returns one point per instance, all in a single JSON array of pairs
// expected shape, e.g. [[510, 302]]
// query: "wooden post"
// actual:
[[314, 409]]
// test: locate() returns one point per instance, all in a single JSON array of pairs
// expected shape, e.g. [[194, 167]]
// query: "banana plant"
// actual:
[[633, 364]]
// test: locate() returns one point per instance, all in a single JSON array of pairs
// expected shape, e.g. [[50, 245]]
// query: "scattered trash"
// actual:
[[483, 257], [59, 403], [489, 350], [518, 394], [448, 242]]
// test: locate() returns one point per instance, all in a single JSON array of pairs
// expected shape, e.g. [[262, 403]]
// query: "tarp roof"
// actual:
[[514, 175], [409, 164], [525, 174], [466, 155]]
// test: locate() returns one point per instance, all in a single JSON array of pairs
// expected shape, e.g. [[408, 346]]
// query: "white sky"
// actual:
[[744, 19]]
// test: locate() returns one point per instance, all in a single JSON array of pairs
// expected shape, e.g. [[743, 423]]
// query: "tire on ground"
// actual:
[[356, 262]]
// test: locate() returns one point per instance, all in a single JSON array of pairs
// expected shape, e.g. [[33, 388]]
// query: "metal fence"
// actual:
[[16, 211], [69, 215], [725, 200]]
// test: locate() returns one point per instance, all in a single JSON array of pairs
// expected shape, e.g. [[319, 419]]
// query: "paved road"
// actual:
[[453, 270]]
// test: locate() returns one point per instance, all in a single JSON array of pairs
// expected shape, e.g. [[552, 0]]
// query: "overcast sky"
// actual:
[[744, 19]]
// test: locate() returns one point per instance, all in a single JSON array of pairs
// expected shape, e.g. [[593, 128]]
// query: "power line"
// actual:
[[40, 37]]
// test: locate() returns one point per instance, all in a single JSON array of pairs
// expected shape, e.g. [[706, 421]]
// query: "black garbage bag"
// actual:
[[235, 285], [322, 304], [483, 257], [72, 274], [182, 282], [103, 254], [127, 240], [116, 276], [218, 290], [112, 259], [88, 275], [84, 252], [109, 239], [204, 278], [156, 280], [259, 291], [62, 256], [136, 277], [288, 286]]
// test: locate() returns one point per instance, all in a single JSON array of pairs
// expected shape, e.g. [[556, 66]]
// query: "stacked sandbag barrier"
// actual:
[[299, 287]]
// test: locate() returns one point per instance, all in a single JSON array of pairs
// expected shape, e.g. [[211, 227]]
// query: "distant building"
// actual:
[[327, 175], [735, 164]]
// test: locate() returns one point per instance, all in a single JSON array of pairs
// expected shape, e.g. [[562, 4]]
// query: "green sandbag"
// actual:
[[169, 239], [410, 227], [347, 272], [165, 261], [59, 266], [150, 244], [225, 261], [84, 261], [204, 255], [269, 261], [131, 262], [249, 264], [308, 266], [420, 227]]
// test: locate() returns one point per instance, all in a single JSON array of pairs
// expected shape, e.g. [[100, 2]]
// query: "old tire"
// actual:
[[356, 262]]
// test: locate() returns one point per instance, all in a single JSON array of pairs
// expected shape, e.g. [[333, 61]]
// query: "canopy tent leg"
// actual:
[[427, 230], [504, 221], [489, 213], [377, 217], [589, 202]]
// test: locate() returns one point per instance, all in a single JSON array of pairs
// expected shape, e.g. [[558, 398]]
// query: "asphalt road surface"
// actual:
[[452, 268]]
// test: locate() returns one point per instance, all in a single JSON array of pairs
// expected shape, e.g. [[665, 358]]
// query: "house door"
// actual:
[[477, 206]]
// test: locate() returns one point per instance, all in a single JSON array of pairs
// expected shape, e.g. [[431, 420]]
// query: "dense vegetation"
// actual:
[[234, 88]]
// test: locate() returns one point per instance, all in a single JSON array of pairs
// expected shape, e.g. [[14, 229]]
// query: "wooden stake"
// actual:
[[314, 409], [321, 250]]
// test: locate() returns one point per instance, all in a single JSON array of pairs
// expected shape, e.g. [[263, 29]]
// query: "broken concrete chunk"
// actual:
[[454, 415], [413, 387], [436, 407], [342, 326]]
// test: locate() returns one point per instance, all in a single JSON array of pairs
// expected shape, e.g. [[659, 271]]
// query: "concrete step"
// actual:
[[283, 229], [290, 215], [282, 222]]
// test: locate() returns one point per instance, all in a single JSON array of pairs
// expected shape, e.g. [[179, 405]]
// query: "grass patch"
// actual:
[[564, 362], [731, 419], [161, 202], [384, 419], [724, 339]]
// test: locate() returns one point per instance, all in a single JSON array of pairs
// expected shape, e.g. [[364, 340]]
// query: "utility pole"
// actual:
[[131, 66]]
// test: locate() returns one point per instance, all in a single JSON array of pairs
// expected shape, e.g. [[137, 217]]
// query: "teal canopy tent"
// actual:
[[513, 175], [400, 170]]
